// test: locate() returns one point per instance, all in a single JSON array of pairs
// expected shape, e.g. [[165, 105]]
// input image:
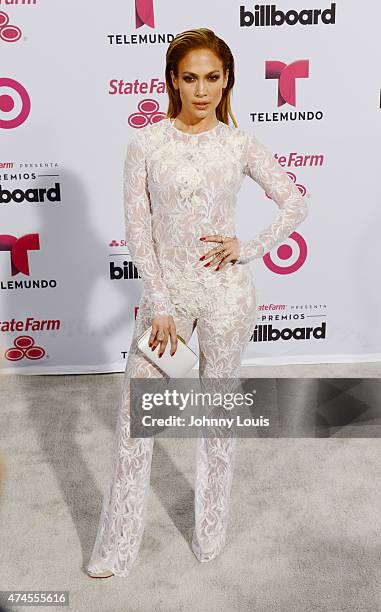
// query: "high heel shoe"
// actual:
[[100, 575], [201, 555]]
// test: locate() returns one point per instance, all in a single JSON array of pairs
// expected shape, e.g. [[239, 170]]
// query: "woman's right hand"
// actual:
[[163, 329]]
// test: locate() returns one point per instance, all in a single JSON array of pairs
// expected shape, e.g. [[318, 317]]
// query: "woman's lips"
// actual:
[[201, 105]]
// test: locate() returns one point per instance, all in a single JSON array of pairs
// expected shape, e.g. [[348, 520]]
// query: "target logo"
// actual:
[[14, 103], [8, 32], [144, 13], [289, 256], [292, 253], [148, 112], [286, 75], [24, 347]]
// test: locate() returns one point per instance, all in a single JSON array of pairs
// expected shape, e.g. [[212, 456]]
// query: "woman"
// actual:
[[184, 173]]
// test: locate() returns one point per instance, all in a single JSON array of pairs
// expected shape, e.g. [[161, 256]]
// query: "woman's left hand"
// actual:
[[225, 252]]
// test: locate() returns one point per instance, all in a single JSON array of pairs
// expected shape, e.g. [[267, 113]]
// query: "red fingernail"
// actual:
[[202, 238], [203, 257]]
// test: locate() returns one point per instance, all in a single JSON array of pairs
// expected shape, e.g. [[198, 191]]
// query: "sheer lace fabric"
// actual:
[[178, 187]]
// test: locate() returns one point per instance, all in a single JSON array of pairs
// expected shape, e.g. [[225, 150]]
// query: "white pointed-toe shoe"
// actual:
[[100, 575]]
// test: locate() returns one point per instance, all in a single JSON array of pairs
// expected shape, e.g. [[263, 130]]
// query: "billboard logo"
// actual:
[[8, 32], [14, 103], [18, 248], [269, 15], [287, 75], [144, 13]]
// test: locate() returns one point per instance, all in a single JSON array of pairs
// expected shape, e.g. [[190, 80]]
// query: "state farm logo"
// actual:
[[8, 32], [18, 249], [286, 74], [24, 348], [148, 112], [144, 13], [14, 103], [269, 15]]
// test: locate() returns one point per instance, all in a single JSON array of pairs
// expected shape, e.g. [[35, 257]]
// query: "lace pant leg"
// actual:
[[223, 335], [124, 509]]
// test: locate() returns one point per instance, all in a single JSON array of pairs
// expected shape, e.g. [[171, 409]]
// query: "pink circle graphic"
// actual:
[[148, 106], [14, 354], [5, 104], [138, 120], [3, 19], [36, 352], [24, 342], [284, 252], [8, 32]]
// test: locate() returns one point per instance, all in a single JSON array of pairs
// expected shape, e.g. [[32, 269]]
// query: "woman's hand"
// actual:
[[163, 328], [227, 250]]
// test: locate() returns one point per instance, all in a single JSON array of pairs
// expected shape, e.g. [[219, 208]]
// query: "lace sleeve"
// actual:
[[263, 168], [137, 212]]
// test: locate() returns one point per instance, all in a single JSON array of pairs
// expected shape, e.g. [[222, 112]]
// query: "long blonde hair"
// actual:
[[179, 47]]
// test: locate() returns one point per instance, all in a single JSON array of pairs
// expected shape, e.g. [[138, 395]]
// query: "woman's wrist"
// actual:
[[250, 250], [164, 307]]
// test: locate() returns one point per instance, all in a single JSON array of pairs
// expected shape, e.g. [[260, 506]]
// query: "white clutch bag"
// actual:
[[176, 365]]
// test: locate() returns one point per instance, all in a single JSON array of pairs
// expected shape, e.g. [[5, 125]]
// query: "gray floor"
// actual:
[[305, 522]]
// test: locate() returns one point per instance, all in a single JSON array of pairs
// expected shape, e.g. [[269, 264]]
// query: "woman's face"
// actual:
[[200, 79]]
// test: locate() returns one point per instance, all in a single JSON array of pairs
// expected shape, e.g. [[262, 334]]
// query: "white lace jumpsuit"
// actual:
[[177, 188]]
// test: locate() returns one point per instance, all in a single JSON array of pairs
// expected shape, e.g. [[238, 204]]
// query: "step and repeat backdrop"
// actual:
[[78, 79]]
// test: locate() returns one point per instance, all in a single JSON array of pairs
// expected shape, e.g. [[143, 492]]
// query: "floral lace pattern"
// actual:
[[178, 187], [224, 329]]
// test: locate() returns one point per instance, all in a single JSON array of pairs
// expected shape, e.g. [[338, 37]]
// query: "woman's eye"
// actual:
[[215, 77]]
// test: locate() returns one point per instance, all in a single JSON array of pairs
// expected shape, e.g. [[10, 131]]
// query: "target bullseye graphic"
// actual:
[[7, 103], [288, 258]]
